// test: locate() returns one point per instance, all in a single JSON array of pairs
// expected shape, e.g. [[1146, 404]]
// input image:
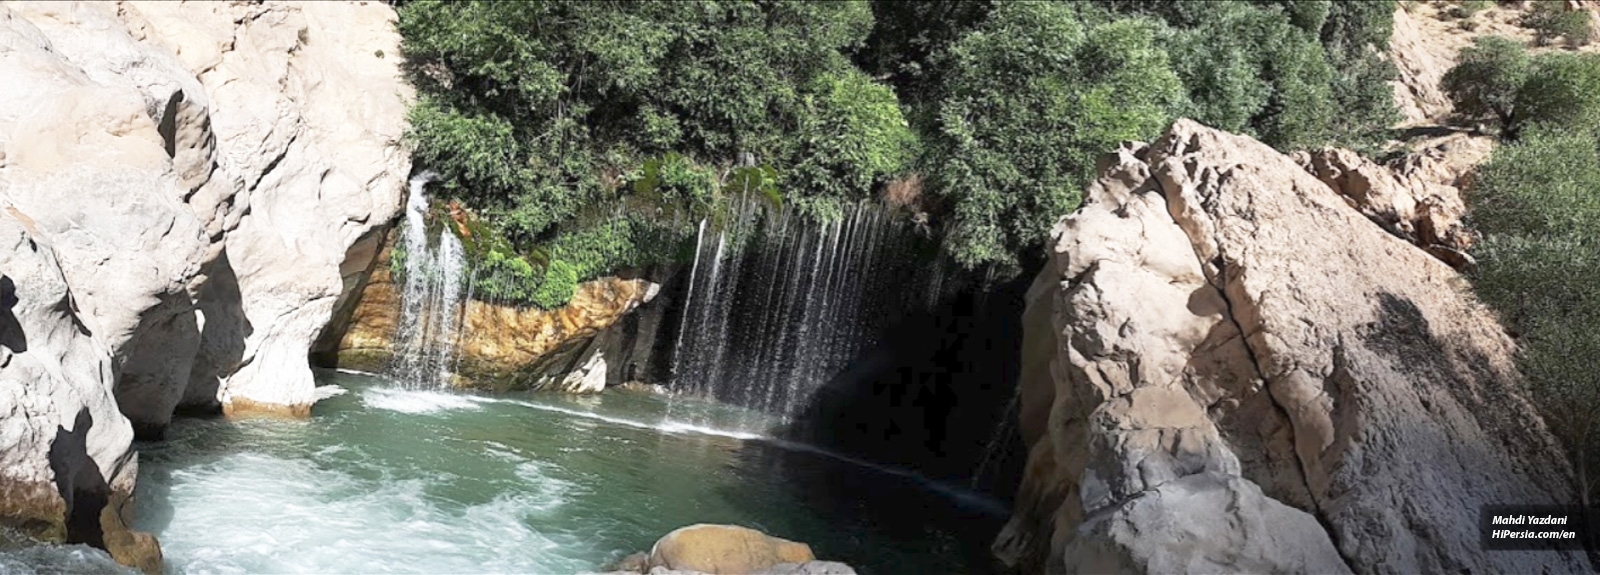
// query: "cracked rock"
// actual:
[[1227, 367]]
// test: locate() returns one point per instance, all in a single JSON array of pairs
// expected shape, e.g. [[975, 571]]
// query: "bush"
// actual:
[[1469, 8], [1550, 20], [560, 282], [1538, 204], [1562, 90], [504, 278], [1487, 77]]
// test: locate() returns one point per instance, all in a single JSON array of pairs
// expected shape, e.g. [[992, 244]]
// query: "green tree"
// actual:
[[1293, 73], [1032, 97], [1562, 90], [1497, 78], [1550, 19], [1487, 77], [1248, 69]]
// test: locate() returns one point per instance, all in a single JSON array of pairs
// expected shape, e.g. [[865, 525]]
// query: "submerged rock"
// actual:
[[642, 387], [1227, 367]]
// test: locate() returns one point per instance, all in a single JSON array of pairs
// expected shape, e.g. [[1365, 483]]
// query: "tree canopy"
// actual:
[[615, 125]]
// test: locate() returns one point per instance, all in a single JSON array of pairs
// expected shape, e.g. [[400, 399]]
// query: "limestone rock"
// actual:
[[206, 177], [632, 563], [809, 568], [724, 549], [1417, 197], [589, 377], [1421, 59], [87, 164], [228, 163], [308, 109], [1222, 352], [66, 469]]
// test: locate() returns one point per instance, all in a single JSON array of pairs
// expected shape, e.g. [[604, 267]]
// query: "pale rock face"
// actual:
[[590, 377], [1421, 56], [1222, 351], [248, 150], [182, 187], [1417, 198], [65, 467], [308, 111], [87, 162]]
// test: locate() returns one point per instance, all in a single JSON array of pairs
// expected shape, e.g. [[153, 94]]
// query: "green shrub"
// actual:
[[852, 137], [1294, 73], [1487, 77], [538, 126], [1551, 20], [504, 278], [1468, 8], [1562, 90], [1538, 204], [560, 282], [1250, 70]]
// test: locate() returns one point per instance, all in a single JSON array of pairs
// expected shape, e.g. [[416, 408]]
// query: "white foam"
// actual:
[[51, 559], [322, 392], [416, 401], [252, 513]]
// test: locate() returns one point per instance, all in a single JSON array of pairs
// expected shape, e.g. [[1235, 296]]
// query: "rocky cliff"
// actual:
[[1223, 351], [183, 187]]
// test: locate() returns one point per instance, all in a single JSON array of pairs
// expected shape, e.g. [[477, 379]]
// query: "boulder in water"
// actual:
[[725, 549]]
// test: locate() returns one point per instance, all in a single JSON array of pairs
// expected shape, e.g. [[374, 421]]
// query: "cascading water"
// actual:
[[431, 301], [780, 303]]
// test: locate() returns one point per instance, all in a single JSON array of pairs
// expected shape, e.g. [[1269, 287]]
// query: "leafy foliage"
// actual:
[[1487, 77], [1562, 90], [1538, 204], [1293, 73], [1497, 78], [1550, 20], [549, 119], [538, 115], [1033, 97]]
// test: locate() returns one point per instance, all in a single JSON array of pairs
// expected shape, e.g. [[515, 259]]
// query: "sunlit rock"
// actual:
[[1223, 352]]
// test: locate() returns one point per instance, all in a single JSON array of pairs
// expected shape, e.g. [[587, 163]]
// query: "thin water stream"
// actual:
[[395, 480]]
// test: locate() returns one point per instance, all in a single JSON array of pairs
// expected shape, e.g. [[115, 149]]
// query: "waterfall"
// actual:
[[1005, 426], [431, 300], [778, 303]]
